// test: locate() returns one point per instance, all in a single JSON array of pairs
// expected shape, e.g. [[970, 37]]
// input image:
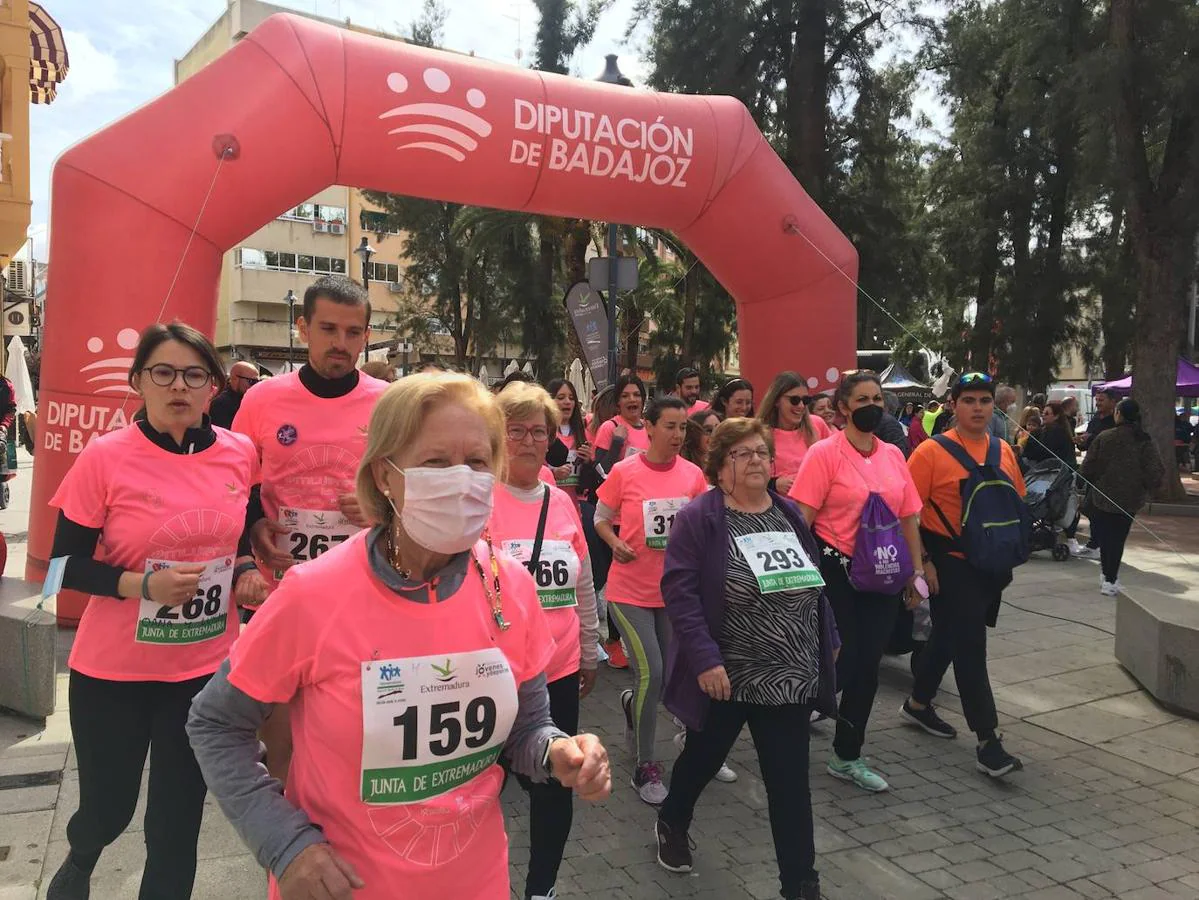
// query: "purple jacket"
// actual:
[[693, 587]]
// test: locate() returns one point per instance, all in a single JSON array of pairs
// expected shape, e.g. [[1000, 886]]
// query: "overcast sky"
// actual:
[[123, 51]]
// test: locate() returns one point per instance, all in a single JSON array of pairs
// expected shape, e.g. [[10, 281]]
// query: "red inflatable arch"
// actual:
[[297, 106]]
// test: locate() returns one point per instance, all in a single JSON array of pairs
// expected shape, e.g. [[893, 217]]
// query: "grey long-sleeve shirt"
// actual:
[[224, 722]]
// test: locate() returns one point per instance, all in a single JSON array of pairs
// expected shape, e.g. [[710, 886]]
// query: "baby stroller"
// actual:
[[1053, 502]]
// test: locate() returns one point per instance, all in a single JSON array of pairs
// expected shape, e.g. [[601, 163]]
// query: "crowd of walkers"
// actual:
[[351, 610]]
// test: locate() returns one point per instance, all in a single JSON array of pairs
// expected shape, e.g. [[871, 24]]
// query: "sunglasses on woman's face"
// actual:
[[795, 401]]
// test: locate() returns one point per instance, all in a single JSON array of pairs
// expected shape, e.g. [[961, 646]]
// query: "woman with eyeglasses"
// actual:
[[645, 494], [735, 399], [539, 525], [151, 524], [754, 644], [785, 410], [412, 656], [858, 496], [699, 429]]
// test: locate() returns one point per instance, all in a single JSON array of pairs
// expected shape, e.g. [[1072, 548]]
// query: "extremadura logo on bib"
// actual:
[[201, 618], [430, 724], [778, 562]]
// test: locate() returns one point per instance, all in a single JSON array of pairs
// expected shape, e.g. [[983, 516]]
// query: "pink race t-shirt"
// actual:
[[835, 480], [563, 551], [154, 509], [310, 448], [697, 406], [398, 712], [636, 442], [790, 447], [646, 498]]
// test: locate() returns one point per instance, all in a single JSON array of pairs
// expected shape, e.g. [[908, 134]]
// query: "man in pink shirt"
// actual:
[[687, 388], [309, 428]]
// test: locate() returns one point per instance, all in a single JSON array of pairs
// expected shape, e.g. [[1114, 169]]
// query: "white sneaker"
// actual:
[[1075, 547], [647, 782], [1081, 551], [1108, 589], [723, 774], [550, 896]]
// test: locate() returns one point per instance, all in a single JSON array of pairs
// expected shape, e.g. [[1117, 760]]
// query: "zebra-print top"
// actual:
[[770, 642]]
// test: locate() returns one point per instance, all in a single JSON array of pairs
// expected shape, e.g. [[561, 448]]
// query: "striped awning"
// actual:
[[48, 56]]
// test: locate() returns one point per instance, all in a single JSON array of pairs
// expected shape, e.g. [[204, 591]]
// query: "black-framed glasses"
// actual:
[[517, 433], [796, 401], [248, 380], [164, 375], [744, 454]]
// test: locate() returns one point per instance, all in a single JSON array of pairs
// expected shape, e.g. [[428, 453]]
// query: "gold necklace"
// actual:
[[393, 556], [494, 597]]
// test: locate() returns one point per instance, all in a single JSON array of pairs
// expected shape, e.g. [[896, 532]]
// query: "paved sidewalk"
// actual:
[[1107, 807]]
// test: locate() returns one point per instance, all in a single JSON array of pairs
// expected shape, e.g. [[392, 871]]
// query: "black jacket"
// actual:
[[224, 407]]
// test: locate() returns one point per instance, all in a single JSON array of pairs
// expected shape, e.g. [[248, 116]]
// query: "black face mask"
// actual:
[[867, 418]]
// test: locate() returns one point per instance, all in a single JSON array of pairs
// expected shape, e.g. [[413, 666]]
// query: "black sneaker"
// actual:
[[674, 848], [70, 883], [808, 890], [993, 760], [928, 719]]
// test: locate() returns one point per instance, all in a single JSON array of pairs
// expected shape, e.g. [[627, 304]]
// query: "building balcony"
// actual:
[[257, 333]]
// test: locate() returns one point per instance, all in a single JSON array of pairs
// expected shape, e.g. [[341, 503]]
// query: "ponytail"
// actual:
[[1130, 414]]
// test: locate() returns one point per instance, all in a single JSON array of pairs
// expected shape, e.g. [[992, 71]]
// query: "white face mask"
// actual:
[[445, 510]]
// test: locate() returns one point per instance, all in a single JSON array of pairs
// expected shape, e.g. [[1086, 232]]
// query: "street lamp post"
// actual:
[[365, 251], [612, 75], [290, 300]]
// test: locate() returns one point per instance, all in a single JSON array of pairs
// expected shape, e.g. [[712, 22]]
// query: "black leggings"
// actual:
[[865, 621], [600, 555], [114, 724], [780, 736], [551, 808], [1111, 530]]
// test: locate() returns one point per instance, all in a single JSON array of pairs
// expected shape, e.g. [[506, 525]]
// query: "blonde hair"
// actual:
[[729, 434], [399, 416], [522, 400]]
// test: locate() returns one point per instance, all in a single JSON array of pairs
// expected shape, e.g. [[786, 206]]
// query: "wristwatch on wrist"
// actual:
[[546, 764], [241, 569]]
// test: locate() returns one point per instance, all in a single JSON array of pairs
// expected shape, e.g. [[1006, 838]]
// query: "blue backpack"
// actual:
[[996, 528]]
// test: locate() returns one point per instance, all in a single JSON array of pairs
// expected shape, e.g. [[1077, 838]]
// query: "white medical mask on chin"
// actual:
[[445, 510]]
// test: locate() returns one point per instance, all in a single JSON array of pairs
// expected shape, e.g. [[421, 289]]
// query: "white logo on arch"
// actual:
[[111, 375], [453, 131]]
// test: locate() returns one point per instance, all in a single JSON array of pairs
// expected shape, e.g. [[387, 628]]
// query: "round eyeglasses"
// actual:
[[517, 433], [164, 375]]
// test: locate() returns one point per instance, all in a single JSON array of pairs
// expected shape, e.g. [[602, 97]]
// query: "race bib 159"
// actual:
[[432, 723]]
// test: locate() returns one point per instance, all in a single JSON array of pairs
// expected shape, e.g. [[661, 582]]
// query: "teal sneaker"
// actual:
[[856, 771]]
